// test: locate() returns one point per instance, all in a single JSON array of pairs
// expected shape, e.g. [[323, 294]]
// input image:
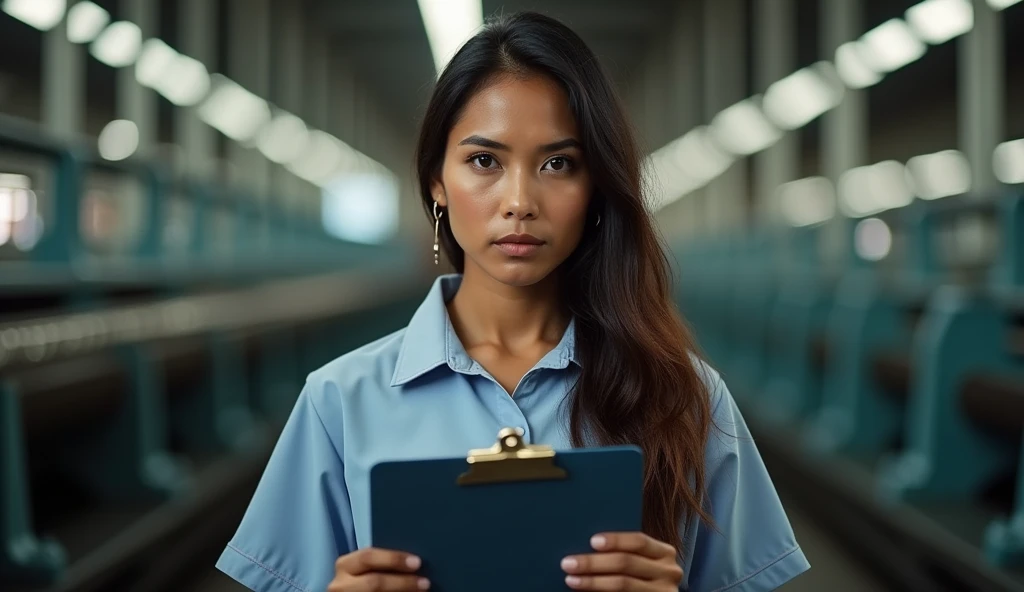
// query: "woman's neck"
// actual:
[[487, 312]]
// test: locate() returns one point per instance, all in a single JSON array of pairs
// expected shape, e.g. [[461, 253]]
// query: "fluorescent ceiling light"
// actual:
[[320, 161], [698, 156], [119, 140], [185, 82], [806, 202], [284, 139], [85, 21], [41, 14], [938, 175], [890, 46], [1008, 162], [118, 45], [449, 24], [799, 98], [1001, 4], [743, 129], [852, 69], [938, 21], [669, 182], [234, 111], [182, 80], [872, 239], [155, 59], [868, 190], [888, 185]]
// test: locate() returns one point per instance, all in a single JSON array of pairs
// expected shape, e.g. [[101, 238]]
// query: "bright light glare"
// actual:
[[361, 208], [155, 59], [284, 139], [938, 175], [799, 98], [868, 190], [852, 69], [323, 157], [185, 82], [14, 205], [1008, 162], [872, 239], [118, 45], [85, 21], [743, 129], [119, 139], [1001, 4], [938, 21], [806, 202], [449, 24], [698, 156], [890, 46], [234, 111], [41, 14]]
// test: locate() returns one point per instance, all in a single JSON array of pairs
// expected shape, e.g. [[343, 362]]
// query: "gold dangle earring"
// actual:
[[437, 228]]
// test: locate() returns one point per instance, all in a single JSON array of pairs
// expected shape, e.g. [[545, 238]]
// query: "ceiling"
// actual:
[[387, 42]]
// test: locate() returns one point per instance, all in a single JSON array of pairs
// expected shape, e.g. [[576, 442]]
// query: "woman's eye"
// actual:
[[483, 161], [559, 164]]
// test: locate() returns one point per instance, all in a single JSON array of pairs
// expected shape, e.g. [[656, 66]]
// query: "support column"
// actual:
[[774, 59], [63, 96], [656, 89], [249, 66], [289, 91], [197, 25], [135, 102], [981, 95], [725, 67], [681, 220], [844, 130]]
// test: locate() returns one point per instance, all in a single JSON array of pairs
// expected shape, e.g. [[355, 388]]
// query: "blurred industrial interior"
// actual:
[[201, 201]]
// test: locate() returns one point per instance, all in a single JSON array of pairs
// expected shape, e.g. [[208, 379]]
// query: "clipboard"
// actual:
[[502, 518]]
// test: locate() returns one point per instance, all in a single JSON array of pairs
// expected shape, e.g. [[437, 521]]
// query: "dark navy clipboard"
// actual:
[[501, 519]]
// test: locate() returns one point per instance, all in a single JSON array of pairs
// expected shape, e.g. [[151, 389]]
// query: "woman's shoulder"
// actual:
[[369, 366]]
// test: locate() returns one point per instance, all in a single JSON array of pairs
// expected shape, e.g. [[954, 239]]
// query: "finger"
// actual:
[[632, 542], [627, 564], [378, 582], [610, 583], [372, 559]]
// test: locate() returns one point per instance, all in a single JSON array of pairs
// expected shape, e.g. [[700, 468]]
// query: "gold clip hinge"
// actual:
[[511, 460]]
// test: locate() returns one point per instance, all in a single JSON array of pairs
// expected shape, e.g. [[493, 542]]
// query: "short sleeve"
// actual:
[[751, 546], [299, 520]]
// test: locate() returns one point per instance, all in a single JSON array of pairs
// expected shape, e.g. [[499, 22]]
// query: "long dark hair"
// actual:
[[640, 382]]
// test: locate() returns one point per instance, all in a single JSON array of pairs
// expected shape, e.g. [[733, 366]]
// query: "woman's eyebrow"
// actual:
[[552, 147]]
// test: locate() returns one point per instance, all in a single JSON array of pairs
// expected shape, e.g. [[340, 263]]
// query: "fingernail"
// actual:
[[423, 584], [572, 580], [413, 562], [598, 542], [569, 563]]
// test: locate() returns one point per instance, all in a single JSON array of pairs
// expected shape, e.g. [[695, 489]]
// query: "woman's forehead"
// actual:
[[527, 108]]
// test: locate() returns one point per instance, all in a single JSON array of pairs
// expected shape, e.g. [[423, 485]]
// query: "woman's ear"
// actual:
[[437, 192]]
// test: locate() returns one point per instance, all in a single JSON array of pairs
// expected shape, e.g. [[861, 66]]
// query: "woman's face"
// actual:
[[514, 183]]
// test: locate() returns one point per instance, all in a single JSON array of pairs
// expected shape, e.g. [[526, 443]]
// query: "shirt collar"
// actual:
[[430, 340]]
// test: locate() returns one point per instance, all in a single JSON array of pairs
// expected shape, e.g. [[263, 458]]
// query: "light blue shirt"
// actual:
[[417, 394]]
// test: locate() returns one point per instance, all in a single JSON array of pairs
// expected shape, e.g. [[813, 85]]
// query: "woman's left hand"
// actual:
[[625, 561]]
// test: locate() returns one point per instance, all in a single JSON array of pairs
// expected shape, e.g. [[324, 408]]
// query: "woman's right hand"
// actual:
[[377, 570]]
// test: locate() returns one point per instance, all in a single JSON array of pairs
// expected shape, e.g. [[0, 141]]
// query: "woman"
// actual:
[[560, 322]]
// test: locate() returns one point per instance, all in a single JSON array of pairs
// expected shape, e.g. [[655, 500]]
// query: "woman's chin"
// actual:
[[519, 273]]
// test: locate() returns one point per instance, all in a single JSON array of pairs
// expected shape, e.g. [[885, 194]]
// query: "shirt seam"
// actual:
[[760, 571], [267, 569], [327, 432]]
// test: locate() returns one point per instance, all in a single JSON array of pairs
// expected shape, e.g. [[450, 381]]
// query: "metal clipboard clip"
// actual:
[[511, 460]]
